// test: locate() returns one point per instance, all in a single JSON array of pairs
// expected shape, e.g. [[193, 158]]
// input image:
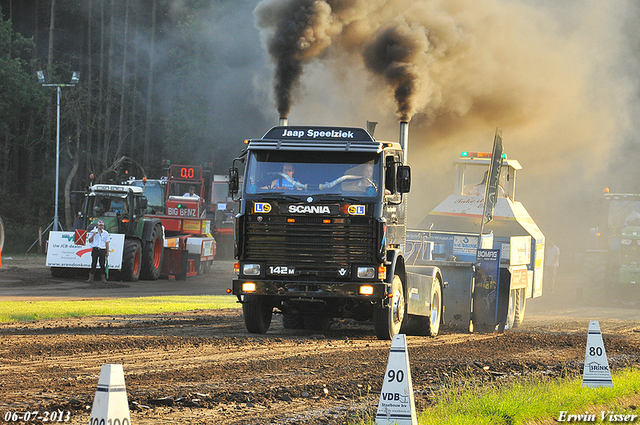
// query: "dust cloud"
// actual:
[[558, 77]]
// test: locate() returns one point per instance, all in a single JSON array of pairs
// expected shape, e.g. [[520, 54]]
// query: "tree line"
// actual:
[[147, 92]]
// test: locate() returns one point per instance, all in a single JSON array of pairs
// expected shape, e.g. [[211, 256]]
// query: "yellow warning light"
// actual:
[[382, 272], [605, 190]]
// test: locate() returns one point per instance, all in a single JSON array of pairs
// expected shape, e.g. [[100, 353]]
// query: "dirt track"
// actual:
[[203, 368]]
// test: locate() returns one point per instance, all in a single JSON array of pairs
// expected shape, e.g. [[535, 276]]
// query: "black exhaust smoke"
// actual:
[[392, 55], [297, 35]]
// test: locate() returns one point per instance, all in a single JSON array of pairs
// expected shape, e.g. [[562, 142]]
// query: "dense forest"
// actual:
[[154, 84], [188, 80]]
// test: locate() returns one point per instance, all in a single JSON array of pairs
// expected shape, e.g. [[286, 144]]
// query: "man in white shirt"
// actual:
[[191, 193], [98, 240]]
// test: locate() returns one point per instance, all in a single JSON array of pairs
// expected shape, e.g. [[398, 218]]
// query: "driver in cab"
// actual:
[[364, 182], [283, 182]]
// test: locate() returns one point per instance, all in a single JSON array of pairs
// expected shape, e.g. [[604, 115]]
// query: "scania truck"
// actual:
[[320, 233]]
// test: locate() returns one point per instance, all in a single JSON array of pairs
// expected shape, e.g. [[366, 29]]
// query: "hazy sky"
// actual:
[[558, 77]]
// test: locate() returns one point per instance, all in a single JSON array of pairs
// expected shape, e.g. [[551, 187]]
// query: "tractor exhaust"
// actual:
[[283, 121]]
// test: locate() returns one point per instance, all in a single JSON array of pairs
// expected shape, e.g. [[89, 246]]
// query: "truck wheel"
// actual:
[[131, 261], [152, 256], [511, 310], [387, 321], [292, 321], [257, 314], [520, 307], [436, 309]]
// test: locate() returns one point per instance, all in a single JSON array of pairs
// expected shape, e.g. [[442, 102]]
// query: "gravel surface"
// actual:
[[202, 367]]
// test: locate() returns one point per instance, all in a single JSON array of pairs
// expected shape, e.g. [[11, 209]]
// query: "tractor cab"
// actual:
[[185, 191], [118, 206]]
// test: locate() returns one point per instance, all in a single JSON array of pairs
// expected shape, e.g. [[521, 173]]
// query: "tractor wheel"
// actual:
[[292, 321], [511, 310], [426, 325], [1, 234], [520, 307], [387, 321], [152, 255], [257, 314], [435, 318], [130, 271], [316, 323]]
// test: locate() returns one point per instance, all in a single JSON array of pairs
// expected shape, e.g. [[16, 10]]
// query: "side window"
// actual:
[[390, 174]]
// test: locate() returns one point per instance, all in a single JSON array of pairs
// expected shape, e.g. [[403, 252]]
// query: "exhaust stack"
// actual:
[[404, 138], [283, 122]]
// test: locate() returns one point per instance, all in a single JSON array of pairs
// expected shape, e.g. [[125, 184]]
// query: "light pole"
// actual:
[[75, 79]]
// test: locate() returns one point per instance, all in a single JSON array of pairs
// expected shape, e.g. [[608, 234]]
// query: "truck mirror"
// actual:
[[233, 181], [143, 203], [404, 178]]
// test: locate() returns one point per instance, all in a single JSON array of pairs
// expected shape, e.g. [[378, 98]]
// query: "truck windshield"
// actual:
[[293, 173]]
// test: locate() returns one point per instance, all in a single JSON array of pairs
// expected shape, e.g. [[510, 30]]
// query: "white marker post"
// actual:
[[596, 366], [397, 405], [110, 405]]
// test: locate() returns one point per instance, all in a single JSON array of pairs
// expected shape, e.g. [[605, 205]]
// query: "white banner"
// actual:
[[63, 252]]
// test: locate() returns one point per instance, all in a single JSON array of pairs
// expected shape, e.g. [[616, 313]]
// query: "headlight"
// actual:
[[248, 287], [625, 241], [366, 290], [251, 269], [366, 272]]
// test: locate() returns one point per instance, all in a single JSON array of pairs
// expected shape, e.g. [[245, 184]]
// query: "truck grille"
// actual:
[[309, 245]]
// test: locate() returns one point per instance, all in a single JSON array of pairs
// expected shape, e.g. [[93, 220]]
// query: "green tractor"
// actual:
[[122, 208], [137, 240], [613, 264]]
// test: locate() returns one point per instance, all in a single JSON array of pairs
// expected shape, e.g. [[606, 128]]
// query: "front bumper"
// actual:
[[304, 289]]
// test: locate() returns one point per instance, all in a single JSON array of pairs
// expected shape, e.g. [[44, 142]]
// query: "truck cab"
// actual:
[[320, 225]]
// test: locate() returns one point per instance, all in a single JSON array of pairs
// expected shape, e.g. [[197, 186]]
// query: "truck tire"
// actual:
[[257, 313], [387, 321], [130, 271], [152, 255], [520, 307]]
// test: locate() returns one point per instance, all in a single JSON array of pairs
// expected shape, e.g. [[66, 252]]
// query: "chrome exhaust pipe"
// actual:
[[404, 138], [283, 122]]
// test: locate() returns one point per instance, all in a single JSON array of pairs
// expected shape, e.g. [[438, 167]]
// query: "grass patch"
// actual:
[[533, 399], [12, 311]]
